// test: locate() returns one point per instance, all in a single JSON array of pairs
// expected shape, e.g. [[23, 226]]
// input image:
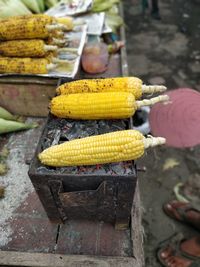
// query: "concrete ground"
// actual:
[[165, 51]]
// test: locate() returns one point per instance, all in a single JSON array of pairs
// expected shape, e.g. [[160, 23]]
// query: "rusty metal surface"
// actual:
[[103, 192]]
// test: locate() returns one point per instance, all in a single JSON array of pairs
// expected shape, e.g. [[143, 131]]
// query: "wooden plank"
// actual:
[[29, 99], [8, 258], [28, 79], [137, 229]]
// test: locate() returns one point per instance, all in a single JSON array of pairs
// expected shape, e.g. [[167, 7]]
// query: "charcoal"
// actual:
[[62, 130]]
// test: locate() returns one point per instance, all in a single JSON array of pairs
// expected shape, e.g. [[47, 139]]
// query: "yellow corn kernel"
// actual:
[[121, 84], [67, 21], [106, 148], [92, 106], [23, 65], [113, 105], [25, 48], [27, 28]]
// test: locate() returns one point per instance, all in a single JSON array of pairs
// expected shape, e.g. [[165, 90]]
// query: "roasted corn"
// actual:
[[106, 148], [122, 84], [92, 106]]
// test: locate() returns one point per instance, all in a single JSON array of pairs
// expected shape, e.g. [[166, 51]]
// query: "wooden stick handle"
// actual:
[[50, 48], [53, 27], [51, 66], [61, 61], [150, 89], [153, 141], [152, 101], [56, 41], [68, 49]]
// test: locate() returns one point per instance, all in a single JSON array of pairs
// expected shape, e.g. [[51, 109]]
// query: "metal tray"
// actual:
[[78, 37]]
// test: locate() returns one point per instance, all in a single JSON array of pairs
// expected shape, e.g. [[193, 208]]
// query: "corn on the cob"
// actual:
[[30, 27], [67, 21], [30, 48], [92, 106], [25, 48], [122, 84], [25, 65], [106, 148]]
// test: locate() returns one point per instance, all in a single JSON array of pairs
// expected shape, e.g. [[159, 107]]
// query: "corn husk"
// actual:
[[10, 8], [41, 5], [51, 3], [114, 21], [4, 114], [32, 5], [100, 5], [7, 126]]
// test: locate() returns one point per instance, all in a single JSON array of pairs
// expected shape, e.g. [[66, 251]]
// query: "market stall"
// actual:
[[88, 215]]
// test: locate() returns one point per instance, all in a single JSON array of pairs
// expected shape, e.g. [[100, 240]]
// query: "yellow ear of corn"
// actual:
[[27, 28], [113, 105], [23, 65], [28, 16], [25, 48], [121, 84], [100, 149], [92, 106]]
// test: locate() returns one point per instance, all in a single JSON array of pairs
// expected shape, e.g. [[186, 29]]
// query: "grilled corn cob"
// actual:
[[106, 148], [67, 21], [122, 84], [30, 27], [92, 106], [30, 48], [25, 48], [25, 65]]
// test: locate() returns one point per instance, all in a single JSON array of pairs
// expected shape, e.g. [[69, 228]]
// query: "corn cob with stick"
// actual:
[[25, 65], [30, 48], [34, 26], [32, 65], [122, 84], [106, 148], [67, 21], [92, 106]]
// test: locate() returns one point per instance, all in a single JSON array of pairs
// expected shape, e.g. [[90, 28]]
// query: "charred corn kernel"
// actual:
[[24, 65], [122, 84], [25, 48], [31, 26], [106, 148], [92, 106], [27, 28], [67, 21], [28, 16], [57, 41]]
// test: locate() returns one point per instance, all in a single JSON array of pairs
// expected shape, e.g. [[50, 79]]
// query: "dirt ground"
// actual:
[[165, 50]]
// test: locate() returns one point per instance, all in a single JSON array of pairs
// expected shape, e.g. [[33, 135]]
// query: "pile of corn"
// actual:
[[30, 44], [114, 98]]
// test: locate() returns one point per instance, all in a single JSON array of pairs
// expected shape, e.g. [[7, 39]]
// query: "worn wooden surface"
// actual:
[[56, 260], [27, 96], [32, 232]]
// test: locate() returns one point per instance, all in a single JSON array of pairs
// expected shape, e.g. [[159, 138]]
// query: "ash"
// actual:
[[62, 130]]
